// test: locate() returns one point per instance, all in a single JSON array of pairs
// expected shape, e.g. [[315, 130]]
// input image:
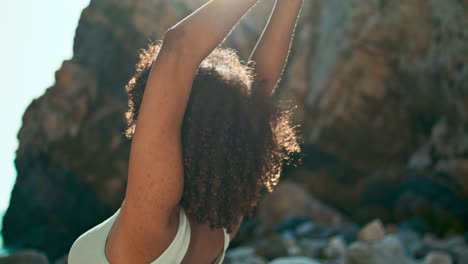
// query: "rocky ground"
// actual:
[[293, 227], [300, 241], [306, 242]]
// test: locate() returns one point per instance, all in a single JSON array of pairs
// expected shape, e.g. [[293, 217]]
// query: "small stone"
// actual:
[[240, 252], [421, 159], [271, 247], [289, 224], [294, 260], [462, 255], [243, 255], [291, 244], [438, 258], [312, 247], [386, 251], [373, 231], [25, 257], [305, 229], [335, 249], [411, 241]]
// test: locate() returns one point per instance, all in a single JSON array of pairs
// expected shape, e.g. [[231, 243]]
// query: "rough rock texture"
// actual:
[[381, 94], [383, 98]]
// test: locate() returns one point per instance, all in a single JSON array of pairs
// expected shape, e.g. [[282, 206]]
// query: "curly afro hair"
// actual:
[[235, 140]]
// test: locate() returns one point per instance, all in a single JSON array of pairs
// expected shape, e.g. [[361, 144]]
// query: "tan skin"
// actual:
[[147, 223]]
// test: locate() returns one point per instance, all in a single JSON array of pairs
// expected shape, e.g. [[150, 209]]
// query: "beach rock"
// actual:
[[25, 257], [271, 247], [336, 249], [289, 201], [462, 255], [438, 258], [387, 121], [311, 248], [294, 260], [374, 231], [243, 255], [412, 243], [306, 228], [455, 246], [386, 251]]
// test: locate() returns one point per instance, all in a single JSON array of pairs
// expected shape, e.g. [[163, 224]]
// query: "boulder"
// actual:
[[290, 201]]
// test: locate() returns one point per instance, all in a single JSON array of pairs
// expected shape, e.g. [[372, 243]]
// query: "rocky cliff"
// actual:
[[383, 92], [382, 95]]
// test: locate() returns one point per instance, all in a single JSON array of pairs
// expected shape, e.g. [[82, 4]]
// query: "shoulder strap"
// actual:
[[177, 250], [227, 239]]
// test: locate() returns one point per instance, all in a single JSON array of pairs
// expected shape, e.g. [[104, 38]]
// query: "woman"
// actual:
[[207, 138]]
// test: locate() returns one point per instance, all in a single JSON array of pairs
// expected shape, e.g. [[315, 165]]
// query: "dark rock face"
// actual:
[[290, 200], [385, 105], [72, 158], [381, 89]]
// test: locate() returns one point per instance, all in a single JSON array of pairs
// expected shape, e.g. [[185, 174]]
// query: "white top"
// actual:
[[90, 247]]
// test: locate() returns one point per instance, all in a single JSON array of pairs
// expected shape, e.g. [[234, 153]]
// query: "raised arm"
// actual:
[[201, 32], [156, 174], [272, 50]]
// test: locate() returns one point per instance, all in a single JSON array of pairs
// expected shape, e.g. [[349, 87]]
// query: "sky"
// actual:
[[37, 36]]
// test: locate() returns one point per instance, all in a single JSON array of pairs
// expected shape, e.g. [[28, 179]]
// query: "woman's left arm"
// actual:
[[272, 50]]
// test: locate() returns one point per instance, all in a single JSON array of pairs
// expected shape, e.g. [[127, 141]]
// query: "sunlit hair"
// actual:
[[235, 140]]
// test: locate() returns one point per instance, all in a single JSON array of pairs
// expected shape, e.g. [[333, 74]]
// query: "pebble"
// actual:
[[335, 249], [373, 231], [305, 228], [294, 260], [245, 255], [438, 258]]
